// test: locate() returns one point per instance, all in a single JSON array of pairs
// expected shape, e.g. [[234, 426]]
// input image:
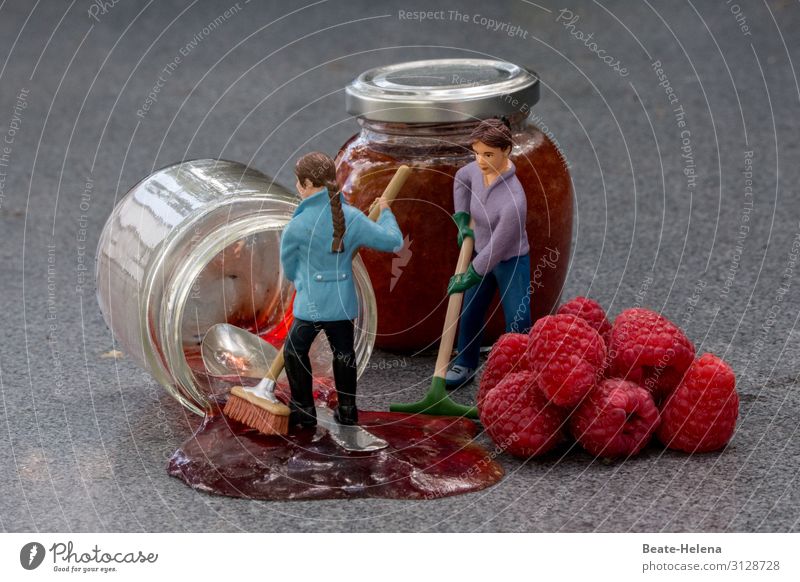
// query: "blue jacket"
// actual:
[[324, 279]]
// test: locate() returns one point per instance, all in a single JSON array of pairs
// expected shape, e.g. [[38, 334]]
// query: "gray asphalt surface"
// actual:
[[84, 439]]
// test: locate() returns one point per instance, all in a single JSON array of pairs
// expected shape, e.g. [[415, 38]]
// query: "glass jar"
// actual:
[[195, 244], [421, 114]]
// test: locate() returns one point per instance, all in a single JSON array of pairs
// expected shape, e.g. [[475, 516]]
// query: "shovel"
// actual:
[[436, 400]]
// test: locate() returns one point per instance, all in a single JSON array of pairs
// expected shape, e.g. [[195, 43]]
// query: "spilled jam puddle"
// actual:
[[428, 457]]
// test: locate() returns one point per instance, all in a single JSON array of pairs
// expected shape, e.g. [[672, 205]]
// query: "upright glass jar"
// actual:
[[195, 244], [421, 113]]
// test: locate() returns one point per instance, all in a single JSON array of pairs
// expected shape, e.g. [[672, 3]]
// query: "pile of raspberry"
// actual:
[[610, 388]]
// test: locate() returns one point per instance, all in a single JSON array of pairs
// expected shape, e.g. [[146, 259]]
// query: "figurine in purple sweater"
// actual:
[[489, 191]]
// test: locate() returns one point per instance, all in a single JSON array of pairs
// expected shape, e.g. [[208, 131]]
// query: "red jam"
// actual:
[[428, 457], [410, 287]]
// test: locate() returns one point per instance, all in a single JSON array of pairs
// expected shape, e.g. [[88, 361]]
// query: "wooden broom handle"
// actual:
[[454, 308], [277, 367], [389, 194], [392, 189]]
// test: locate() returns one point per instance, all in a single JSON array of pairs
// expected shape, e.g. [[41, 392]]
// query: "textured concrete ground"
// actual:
[[84, 439]]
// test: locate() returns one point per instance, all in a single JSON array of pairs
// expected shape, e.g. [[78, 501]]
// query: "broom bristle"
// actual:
[[249, 413]]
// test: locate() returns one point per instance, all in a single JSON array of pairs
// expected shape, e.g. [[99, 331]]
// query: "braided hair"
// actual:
[[321, 170]]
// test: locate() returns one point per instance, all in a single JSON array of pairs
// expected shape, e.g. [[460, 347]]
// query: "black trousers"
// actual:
[[341, 337]]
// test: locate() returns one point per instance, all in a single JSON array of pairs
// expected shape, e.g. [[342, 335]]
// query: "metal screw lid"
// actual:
[[442, 90]]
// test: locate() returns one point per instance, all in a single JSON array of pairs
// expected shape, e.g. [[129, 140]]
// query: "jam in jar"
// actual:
[[421, 113]]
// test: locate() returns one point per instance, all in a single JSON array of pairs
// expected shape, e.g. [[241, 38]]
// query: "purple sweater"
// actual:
[[499, 212]]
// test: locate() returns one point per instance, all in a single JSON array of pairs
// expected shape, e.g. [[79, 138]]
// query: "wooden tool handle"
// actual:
[[454, 308], [277, 366], [390, 193]]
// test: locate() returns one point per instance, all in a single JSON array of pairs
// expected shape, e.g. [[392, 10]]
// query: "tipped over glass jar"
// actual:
[[195, 244]]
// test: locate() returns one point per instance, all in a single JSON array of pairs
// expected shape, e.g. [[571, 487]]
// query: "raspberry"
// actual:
[[616, 420], [567, 355], [507, 355], [519, 419], [700, 415], [648, 349], [589, 310]]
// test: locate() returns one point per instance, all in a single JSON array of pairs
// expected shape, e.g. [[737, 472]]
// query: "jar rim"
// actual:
[[442, 90], [166, 356]]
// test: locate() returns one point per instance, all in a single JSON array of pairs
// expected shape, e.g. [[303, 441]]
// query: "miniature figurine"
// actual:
[[488, 191], [317, 249]]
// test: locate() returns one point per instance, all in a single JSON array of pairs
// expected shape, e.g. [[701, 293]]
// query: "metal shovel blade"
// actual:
[[350, 438], [232, 351], [228, 350]]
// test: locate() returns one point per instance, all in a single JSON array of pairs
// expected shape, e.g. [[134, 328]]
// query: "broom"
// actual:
[[436, 401], [258, 407]]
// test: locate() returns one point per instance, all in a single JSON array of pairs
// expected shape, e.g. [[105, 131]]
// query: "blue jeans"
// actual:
[[512, 277]]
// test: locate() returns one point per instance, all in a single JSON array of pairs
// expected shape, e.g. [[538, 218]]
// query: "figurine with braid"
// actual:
[[317, 250]]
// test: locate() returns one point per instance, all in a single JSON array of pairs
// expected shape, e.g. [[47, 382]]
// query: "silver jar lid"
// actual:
[[442, 90]]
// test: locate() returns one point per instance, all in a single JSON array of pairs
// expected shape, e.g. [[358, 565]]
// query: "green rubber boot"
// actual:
[[436, 402]]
